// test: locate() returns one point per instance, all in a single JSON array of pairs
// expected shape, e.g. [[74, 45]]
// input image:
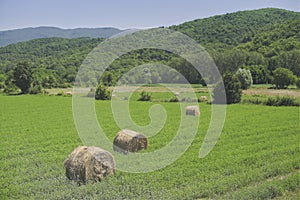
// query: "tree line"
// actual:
[[263, 42]]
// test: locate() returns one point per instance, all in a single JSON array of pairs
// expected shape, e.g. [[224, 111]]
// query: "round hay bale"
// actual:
[[203, 99], [89, 163], [192, 110], [129, 141]]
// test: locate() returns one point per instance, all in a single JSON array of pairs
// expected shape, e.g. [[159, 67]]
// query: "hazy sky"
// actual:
[[121, 14]]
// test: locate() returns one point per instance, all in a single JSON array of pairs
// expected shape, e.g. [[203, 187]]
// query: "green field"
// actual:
[[256, 157]]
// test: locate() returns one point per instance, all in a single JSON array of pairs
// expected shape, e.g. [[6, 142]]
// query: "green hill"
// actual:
[[260, 40], [55, 60], [235, 28]]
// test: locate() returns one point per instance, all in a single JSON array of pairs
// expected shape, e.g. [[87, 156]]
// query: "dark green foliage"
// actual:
[[174, 99], [102, 93], [282, 78], [298, 82], [271, 101], [2, 81], [234, 28], [245, 78], [157, 73], [144, 96], [266, 37], [107, 79], [54, 61], [230, 60], [22, 76], [232, 89], [11, 89], [259, 73], [282, 101], [262, 40], [35, 88]]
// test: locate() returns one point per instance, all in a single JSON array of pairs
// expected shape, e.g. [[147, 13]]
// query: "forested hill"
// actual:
[[233, 29], [55, 61], [260, 40], [20, 35]]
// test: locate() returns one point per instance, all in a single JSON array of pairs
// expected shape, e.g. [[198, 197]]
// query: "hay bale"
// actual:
[[203, 99], [129, 141], [89, 163], [192, 110]]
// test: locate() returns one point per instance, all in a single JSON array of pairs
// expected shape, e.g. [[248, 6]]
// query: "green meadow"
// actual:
[[256, 157]]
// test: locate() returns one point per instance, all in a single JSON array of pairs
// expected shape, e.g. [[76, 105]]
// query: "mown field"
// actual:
[[256, 157]]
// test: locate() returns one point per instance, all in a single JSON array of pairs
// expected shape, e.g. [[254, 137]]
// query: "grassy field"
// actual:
[[256, 157]]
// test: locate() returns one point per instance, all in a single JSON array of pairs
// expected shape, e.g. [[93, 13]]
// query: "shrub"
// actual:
[[232, 88], [11, 89], [259, 73], [282, 101], [271, 101], [245, 78], [282, 78], [174, 99], [60, 93], [102, 93], [298, 82], [37, 89], [145, 96]]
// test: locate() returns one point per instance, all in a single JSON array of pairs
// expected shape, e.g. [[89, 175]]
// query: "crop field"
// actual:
[[256, 157]]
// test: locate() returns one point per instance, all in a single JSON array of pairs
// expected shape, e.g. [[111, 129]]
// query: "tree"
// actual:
[[283, 78], [107, 79], [102, 93], [298, 82], [35, 88], [2, 80], [144, 96], [22, 75], [245, 78], [232, 88], [260, 74]]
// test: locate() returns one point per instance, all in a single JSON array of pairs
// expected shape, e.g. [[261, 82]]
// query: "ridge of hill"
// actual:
[[25, 34], [260, 40]]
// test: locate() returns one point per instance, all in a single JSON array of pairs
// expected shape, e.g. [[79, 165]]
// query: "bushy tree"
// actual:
[[22, 75], [2, 80], [260, 74], [102, 93], [108, 79], [245, 78], [145, 96], [298, 82], [283, 77], [232, 88]]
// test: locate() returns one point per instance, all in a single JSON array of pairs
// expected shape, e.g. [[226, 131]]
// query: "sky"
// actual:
[[122, 14]]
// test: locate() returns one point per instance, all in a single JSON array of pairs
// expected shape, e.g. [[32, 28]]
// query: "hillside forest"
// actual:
[[258, 40]]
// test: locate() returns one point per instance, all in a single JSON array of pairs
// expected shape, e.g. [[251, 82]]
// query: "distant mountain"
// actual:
[[20, 35]]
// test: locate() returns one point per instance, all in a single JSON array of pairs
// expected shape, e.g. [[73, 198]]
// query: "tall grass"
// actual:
[[271, 101]]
